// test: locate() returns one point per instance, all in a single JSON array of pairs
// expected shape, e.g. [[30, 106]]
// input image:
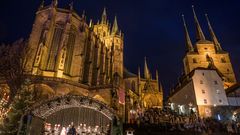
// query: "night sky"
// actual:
[[152, 28]]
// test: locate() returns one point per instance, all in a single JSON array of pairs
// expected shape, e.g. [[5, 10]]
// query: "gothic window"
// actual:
[[70, 48], [201, 81], [52, 55], [203, 74], [228, 70], [203, 91], [215, 82], [194, 60], [220, 101]]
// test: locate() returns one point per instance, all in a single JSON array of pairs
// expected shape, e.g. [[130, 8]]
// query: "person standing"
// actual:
[[63, 132]]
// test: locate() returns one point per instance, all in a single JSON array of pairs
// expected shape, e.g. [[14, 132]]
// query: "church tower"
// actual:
[[207, 53], [113, 39]]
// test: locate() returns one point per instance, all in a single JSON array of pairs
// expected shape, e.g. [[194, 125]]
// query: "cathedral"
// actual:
[[206, 53], [208, 72], [74, 57]]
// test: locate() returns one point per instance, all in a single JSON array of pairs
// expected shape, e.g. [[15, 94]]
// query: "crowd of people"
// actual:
[[81, 129], [167, 120]]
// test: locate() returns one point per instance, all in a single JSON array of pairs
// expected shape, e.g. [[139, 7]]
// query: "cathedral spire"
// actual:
[[187, 37], [104, 16], [115, 26], [199, 32], [54, 3], [157, 75], [71, 6], [41, 5], [90, 23], [146, 70], [213, 36], [139, 73]]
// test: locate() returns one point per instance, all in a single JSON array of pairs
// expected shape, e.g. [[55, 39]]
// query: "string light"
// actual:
[[3, 110]]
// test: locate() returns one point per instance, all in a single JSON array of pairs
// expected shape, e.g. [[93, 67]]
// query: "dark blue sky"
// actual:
[[152, 28]]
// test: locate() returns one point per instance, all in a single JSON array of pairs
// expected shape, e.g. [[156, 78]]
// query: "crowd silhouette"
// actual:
[[166, 120]]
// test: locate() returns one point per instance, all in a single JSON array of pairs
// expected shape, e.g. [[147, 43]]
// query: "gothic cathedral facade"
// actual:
[[207, 54], [64, 46]]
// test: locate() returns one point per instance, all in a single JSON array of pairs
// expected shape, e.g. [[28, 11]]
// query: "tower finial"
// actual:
[[54, 3], [213, 36], [90, 23], [71, 6], [41, 5], [157, 75], [146, 70], [187, 37], [199, 32], [139, 73], [115, 26], [104, 16]]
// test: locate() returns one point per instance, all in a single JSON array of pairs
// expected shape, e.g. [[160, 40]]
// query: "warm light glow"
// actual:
[[3, 110]]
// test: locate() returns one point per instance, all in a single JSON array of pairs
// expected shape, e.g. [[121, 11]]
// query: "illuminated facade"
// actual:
[[63, 45], [207, 73], [87, 58], [73, 57], [202, 90], [142, 92], [207, 53]]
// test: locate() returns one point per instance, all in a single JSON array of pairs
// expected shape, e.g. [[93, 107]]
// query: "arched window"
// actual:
[[53, 51], [70, 49]]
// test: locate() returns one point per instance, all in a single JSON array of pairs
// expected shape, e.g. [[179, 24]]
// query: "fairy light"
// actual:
[[3, 109]]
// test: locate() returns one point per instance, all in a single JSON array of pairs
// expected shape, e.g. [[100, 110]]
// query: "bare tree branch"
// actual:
[[12, 63]]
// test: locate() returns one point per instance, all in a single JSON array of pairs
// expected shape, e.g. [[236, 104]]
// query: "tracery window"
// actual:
[[70, 49], [52, 55]]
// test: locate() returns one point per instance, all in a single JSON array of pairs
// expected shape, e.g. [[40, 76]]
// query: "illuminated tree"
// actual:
[[22, 101]]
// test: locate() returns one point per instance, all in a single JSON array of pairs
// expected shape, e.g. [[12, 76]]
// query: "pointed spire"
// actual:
[[41, 5], [199, 32], [146, 70], [115, 26], [90, 23], [54, 3], [71, 6], [156, 75], [213, 36], [83, 14], [104, 16], [187, 37]]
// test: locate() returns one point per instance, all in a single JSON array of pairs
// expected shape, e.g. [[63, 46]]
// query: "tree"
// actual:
[[12, 66], [23, 100]]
